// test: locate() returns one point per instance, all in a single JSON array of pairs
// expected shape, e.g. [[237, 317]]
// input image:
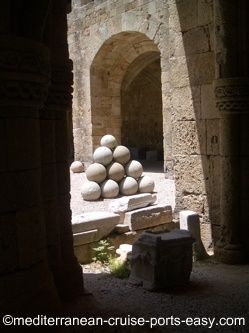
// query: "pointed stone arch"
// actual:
[[119, 60]]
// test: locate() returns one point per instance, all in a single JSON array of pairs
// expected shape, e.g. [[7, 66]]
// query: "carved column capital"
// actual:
[[24, 72], [60, 90], [232, 95]]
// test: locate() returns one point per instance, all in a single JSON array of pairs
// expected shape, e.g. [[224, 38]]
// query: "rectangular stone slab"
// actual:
[[190, 221], [148, 217], [132, 202], [85, 237], [121, 228], [104, 222]]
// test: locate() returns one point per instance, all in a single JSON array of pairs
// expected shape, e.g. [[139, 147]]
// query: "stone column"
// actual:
[[56, 190], [232, 100], [26, 280]]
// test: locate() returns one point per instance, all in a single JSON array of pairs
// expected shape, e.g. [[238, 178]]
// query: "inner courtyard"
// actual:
[[169, 80]]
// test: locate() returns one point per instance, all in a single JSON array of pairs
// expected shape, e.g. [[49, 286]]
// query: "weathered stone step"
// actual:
[[132, 202], [85, 237], [148, 217], [103, 222]]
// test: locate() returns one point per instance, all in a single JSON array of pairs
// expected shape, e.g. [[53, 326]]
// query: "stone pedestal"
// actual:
[[162, 260], [190, 221]]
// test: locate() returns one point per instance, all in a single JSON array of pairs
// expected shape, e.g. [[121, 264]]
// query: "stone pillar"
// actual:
[[232, 100], [26, 283], [56, 178]]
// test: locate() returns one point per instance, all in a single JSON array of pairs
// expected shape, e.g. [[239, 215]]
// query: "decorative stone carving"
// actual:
[[108, 141], [60, 92], [109, 189], [102, 155], [162, 260], [96, 172], [134, 169], [232, 95], [91, 191], [19, 56], [121, 154]]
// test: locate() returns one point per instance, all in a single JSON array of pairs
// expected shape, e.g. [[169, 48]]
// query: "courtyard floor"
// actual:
[[215, 290]]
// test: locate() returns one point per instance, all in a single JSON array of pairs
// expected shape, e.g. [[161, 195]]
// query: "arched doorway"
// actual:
[[125, 71], [141, 108]]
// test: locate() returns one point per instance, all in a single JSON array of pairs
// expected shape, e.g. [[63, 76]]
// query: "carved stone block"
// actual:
[[148, 217], [162, 260]]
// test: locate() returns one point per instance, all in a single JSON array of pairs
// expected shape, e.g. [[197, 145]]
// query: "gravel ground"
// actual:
[[215, 290]]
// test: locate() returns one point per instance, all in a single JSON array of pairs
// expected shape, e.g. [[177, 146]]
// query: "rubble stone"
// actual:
[[147, 217], [132, 202], [121, 228]]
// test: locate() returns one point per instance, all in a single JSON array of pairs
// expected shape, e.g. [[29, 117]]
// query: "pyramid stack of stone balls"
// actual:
[[113, 173]]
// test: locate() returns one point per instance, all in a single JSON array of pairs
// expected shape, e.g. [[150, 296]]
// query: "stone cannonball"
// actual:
[[96, 172], [121, 154], [77, 167], [102, 155], [146, 184], [91, 191], [109, 189], [128, 186], [134, 169], [115, 171], [108, 141]]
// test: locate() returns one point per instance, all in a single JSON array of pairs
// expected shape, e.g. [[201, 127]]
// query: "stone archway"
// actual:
[[117, 65], [141, 108]]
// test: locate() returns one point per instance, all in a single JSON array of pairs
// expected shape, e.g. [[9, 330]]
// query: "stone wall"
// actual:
[[106, 40]]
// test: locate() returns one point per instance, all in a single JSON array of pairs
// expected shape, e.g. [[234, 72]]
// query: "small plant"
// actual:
[[119, 268], [103, 251]]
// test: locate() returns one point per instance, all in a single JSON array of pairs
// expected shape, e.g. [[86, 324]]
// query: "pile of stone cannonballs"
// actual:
[[113, 173]]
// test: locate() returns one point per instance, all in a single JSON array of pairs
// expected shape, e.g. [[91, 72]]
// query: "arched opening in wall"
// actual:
[[141, 108], [125, 83]]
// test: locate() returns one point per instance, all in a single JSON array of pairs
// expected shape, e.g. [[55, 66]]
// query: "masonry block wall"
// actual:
[[110, 39]]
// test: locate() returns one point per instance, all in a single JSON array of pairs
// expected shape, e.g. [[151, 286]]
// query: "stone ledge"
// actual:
[[85, 237], [85, 252], [121, 228], [132, 202], [148, 217], [95, 220]]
